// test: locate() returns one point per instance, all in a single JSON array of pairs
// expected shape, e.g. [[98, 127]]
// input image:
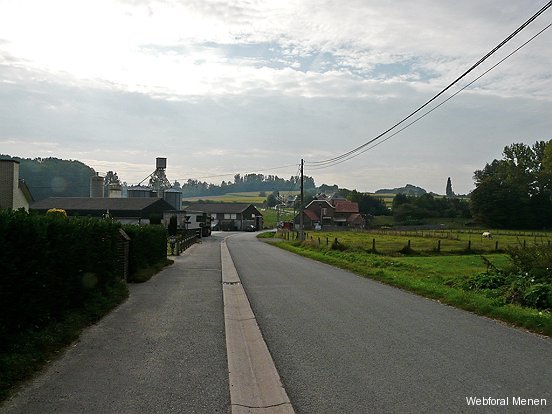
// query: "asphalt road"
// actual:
[[162, 351], [345, 344]]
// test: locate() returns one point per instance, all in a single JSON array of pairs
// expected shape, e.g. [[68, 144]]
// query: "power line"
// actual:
[[434, 108], [479, 62]]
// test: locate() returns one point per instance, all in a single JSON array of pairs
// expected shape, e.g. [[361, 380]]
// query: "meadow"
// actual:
[[426, 242]]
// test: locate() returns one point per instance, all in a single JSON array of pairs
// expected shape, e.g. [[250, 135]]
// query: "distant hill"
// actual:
[[409, 189], [53, 177]]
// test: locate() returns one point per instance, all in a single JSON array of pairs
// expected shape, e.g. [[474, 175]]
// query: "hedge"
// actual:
[[148, 246], [51, 266]]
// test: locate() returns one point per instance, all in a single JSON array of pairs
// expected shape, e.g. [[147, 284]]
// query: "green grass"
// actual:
[[426, 242], [438, 277], [145, 274], [270, 217], [247, 197]]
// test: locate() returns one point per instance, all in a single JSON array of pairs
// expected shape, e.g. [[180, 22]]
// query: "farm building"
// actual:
[[232, 216], [126, 210], [331, 213], [14, 193]]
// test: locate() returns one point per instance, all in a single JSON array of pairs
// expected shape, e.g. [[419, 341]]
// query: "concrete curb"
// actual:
[[255, 386]]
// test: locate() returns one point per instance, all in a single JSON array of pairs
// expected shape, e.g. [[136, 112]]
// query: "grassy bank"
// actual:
[[437, 277]]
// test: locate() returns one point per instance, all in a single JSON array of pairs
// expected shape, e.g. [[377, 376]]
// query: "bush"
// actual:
[[52, 265], [527, 282], [148, 246]]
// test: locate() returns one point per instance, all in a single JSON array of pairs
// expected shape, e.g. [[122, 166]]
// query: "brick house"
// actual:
[[331, 212]]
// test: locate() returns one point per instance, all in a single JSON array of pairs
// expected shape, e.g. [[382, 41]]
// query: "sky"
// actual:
[[254, 86]]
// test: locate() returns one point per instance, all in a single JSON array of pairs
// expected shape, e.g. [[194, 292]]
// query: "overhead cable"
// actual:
[[479, 62]]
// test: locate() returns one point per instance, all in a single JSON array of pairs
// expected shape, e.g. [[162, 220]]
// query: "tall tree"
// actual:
[[449, 191], [514, 191]]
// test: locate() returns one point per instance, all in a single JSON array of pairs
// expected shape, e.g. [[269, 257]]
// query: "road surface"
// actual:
[[345, 344]]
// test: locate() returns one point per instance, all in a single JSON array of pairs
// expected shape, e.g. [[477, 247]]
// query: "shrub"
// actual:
[[148, 246], [51, 266]]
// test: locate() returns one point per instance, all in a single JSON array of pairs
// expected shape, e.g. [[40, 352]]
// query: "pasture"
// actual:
[[427, 242]]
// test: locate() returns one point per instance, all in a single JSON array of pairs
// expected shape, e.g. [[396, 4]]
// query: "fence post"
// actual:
[[524, 244], [469, 244], [319, 242], [374, 244], [496, 245], [439, 246], [408, 244], [327, 241]]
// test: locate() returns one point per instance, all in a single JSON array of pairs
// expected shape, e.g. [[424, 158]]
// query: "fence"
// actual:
[[182, 242], [407, 242]]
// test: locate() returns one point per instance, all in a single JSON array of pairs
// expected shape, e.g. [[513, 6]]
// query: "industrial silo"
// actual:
[[96, 186], [115, 190], [173, 197], [139, 191]]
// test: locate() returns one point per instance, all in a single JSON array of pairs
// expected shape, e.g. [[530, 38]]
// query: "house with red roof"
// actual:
[[331, 212]]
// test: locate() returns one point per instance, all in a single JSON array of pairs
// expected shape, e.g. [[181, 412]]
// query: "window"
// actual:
[[324, 211], [228, 216]]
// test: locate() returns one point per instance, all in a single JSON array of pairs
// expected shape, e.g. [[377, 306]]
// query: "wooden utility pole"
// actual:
[[301, 229]]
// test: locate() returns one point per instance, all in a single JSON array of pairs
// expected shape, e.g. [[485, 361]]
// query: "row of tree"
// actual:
[[246, 183]]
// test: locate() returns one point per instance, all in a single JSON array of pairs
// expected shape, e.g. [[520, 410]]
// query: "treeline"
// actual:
[[53, 177], [516, 191], [246, 183], [411, 209]]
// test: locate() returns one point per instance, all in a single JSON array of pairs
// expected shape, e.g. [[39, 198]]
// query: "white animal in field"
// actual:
[[487, 235]]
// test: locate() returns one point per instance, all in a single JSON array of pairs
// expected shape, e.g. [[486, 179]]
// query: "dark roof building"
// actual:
[[127, 208]]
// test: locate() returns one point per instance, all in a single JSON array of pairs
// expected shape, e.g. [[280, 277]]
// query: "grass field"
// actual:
[[252, 197], [429, 242], [435, 275]]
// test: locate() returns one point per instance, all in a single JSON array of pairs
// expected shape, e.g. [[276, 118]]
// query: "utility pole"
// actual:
[[301, 229]]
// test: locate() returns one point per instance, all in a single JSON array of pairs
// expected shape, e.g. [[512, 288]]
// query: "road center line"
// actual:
[[255, 385]]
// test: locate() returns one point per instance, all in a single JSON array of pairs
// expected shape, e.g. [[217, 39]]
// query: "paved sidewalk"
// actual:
[[162, 351]]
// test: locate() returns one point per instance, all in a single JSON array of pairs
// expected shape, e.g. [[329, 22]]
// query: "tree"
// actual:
[[110, 178], [515, 192], [368, 204], [449, 192]]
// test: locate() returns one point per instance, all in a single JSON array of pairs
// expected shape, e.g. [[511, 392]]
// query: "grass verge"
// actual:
[[432, 277], [28, 351], [145, 274]]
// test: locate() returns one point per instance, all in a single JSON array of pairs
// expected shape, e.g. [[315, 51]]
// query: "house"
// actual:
[[232, 216], [331, 212], [14, 193], [125, 210]]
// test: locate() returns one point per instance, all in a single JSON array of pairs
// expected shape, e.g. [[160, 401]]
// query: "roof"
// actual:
[[355, 218], [346, 207], [25, 190], [88, 204], [311, 215], [319, 202], [220, 208]]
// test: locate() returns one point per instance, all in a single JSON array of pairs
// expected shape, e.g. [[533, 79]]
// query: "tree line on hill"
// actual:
[[53, 177], [245, 183]]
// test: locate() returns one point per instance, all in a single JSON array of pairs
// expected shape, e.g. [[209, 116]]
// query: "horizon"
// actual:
[[254, 88]]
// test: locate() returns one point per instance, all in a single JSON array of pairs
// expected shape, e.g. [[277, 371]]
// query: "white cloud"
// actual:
[[244, 83]]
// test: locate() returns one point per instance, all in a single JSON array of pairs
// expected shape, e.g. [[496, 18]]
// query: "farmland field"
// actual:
[[251, 197], [431, 241]]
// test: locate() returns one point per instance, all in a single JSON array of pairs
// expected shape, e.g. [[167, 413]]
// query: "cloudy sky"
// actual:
[[221, 87]]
